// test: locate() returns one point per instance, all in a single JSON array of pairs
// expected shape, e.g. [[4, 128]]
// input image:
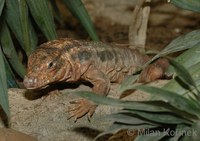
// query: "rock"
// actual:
[[13, 135]]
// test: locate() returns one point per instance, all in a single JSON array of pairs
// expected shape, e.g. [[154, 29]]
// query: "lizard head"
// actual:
[[45, 66]]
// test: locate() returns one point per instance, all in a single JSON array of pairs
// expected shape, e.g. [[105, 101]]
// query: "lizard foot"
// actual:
[[81, 107]]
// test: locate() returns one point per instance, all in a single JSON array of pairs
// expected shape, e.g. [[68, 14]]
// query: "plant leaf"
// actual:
[[118, 126], [23, 14], [3, 86], [183, 42], [193, 5], [183, 73], [9, 50], [193, 133], [129, 80], [188, 58], [56, 12], [43, 17], [172, 98], [174, 85], [161, 117], [1, 6], [11, 82], [126, 117], [155, 136], [13, 20], [134, 105], [78, 9], [180, 130]]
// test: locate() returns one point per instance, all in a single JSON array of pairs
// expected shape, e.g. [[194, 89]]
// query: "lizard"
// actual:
[[70, 60]]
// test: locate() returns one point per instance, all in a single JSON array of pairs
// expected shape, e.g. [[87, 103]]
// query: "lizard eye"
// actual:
[[50, 65]]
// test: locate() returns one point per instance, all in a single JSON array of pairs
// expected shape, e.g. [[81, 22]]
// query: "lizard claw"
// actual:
[[81, 107]]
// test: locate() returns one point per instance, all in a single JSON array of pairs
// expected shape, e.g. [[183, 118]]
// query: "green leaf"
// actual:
[[126, 117], [193, 5], [183, 42], [172, 98], [3, 86], [1, 6], [43, 17], [180, 130], [118, 126], [134, 105], [188, 58], [162, 117], [24, 22], [175, 86], [9, 50], [78, 9], [11, 82], [56, 12], [183, 73], [154, 136], [129, 80], [13, 19], [193, 133]]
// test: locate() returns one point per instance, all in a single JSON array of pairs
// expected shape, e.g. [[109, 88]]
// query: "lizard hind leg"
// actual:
[[154, 71]]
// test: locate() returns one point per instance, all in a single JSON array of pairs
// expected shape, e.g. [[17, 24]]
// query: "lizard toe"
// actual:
[[80, 108]]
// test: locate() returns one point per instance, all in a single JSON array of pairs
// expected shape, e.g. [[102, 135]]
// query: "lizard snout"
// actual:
[[29, 82]]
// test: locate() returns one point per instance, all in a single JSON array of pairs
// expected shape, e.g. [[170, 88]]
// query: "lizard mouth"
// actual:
[[32, 83], [37, 88]]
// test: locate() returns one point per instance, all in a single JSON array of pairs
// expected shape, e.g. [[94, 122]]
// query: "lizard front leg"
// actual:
[[101, 86]]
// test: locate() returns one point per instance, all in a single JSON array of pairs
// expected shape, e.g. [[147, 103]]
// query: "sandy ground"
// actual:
[[45, 118]]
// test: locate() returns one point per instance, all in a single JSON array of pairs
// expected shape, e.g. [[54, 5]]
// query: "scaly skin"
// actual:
[[72, 60]]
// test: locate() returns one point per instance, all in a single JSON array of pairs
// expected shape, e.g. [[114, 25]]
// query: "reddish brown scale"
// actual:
[[71, 60]]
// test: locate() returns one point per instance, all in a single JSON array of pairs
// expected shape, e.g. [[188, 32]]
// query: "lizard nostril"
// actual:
[[35, 80]]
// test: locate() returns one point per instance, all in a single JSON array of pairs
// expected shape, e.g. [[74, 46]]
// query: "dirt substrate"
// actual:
[[46, 119]]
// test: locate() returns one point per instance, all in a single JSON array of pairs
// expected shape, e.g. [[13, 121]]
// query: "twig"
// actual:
[[138, 26]]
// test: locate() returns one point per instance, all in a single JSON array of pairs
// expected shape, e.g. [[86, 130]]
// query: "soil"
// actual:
[[45, 117]]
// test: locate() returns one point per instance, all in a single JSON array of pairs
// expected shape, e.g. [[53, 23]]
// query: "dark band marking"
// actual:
[[84, 55], [105, 55], [81, 55]]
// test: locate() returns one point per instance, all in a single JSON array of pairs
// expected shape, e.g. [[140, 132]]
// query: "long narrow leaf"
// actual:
[[11, 80], [174, 86], [78, 9], [56, 12], [23, 14], [188, 58], [180, 130], [183, 73], [183, 42], [13, 20], [155, 136], [128, 118], [130, 128], [134, 105], [9, 50], [193, 133], [43, 17], [129, 80], [172, 98], [1, 6], [193, 5], [3, 86], [162, 118]]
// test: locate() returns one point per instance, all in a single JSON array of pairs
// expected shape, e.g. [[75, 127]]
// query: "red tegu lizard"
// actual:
[[72, 60]]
